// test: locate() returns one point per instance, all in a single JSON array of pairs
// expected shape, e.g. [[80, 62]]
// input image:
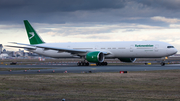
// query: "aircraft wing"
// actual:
[[67, 50], [62, 49], [73, 51], [33, 47]]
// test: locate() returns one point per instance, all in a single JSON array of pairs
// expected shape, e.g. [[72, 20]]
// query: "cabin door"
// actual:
[[156, 48], [131, 48]]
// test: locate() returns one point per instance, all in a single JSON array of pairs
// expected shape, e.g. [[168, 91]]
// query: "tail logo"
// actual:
[[32, 33]]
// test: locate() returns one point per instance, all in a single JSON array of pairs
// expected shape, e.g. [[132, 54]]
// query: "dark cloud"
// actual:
[[168, 4], [54, 10], [81, 11], [60, 5], [11, 4]]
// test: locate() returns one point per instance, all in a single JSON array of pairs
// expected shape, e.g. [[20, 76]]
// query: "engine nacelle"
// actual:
[[95, 57], [127, 59]]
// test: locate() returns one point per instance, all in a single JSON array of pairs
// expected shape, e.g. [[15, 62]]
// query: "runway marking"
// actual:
[[93, 68]]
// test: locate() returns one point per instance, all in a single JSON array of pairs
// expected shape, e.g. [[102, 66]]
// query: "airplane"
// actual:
[[96, 52]]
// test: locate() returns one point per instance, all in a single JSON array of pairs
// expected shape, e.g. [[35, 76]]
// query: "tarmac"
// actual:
[[72, 68]]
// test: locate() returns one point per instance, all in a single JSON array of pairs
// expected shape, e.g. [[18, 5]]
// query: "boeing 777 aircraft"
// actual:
[[97, 52]]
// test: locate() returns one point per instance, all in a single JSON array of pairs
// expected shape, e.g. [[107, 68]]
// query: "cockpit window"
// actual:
[[170, 46]]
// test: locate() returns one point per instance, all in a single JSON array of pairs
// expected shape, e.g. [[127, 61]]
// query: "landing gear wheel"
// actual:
[[79, 64], [162, 64], [98, 64], [106, 63], [101, 64], [82, 63], [87, 64]]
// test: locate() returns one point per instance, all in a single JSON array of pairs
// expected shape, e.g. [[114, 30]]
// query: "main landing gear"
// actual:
[[83, 63], [102, 64]]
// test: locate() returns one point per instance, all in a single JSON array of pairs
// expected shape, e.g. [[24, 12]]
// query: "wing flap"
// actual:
[[62, 49]]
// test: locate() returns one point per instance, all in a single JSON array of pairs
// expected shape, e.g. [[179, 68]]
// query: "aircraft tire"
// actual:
[[79, 64], [106, 63], [97, 64], [162, 64], [102, 64], [87, 64], [83, 64]]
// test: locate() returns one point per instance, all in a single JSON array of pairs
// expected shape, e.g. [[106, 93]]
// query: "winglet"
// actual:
[[34, 38]]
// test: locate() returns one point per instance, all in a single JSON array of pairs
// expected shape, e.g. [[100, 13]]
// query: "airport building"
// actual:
[[18, 54]]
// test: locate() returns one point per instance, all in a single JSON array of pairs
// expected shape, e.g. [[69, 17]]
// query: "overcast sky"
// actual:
[[91, 20]]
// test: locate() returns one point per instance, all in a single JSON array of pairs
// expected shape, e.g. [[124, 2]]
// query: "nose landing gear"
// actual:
[[162, 63]]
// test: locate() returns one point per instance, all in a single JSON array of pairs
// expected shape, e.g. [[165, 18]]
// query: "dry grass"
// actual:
[[133, 86]]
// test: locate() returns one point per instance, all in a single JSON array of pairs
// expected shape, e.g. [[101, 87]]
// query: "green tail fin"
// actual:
[[34, 38]]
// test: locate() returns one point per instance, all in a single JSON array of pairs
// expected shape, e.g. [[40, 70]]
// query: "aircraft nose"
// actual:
[[172, 51], [175, 51]]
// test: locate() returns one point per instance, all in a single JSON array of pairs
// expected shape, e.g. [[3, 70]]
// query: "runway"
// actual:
[[72, 68]]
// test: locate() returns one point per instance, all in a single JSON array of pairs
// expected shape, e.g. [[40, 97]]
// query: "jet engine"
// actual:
[[95, 57], [127, 59]]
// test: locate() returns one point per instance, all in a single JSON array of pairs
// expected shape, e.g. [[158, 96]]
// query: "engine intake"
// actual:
[[95, 57]]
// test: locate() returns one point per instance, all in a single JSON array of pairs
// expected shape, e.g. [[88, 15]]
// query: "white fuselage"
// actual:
[[122, 49]]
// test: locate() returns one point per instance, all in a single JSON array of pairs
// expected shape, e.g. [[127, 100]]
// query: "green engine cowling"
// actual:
[[95, 57], [127, 59]]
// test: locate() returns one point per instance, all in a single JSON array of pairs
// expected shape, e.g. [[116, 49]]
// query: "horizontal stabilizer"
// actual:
[[19, 43], [30, 48]]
